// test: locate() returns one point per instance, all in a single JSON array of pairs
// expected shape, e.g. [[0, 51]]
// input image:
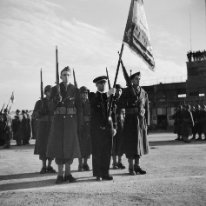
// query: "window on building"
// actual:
[[201, 95], [182, 95]]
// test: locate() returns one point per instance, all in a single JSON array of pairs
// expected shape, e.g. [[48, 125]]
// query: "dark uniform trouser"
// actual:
[[101, 152]]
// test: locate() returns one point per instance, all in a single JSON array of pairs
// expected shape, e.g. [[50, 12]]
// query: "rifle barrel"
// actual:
[[109, 84]]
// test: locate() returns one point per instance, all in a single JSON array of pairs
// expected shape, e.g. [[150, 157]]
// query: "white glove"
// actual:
[[112, 91]]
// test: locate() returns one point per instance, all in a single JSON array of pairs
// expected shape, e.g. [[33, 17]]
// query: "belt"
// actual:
[[64, 110], [132, 110]]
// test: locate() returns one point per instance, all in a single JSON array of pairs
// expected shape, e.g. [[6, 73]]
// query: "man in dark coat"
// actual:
[[204, 121], [16, 128], [2, 141], [84, 130], [197, 122], [101, 130], [24, 128], [7, 130], [117, 143], [28, 130], [178, 122], [136, 103], [187, 123], [43, 112], [34, 122], [63, 143], [194, 128]]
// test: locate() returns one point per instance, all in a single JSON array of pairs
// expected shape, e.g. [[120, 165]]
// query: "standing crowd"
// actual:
[[76, 123], [18, 128], [190, 122]]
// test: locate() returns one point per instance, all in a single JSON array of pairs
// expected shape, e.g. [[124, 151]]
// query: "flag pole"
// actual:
[[118, 65], [115, 80], [119, 62]]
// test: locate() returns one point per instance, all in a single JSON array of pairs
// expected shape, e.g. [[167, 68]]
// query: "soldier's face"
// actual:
[[118, 93], [48, 94], [101, 86], [136, 80], [84, 96], [65, 76]]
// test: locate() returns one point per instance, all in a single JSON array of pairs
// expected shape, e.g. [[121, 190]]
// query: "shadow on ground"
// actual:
[[41, 183], [23, 176], [173, 142]]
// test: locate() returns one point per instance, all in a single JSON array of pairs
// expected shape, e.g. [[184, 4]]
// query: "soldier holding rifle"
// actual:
[[63, 142], [102, 130], [136, 103], [43, 112]]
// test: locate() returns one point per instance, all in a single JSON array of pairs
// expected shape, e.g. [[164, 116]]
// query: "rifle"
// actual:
[[57, 73], [9, 109], [126, 75], [75, 81], [115, 80], [41, 86], [2, 108], [109, 84]]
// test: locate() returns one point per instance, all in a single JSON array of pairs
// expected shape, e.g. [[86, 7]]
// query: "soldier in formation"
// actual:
[[136, 103], [84, 130], [190, 122], [43, 112], [16, 128], [117, 144], [5, 128], [63, 144], [196, 56], [178, 123]]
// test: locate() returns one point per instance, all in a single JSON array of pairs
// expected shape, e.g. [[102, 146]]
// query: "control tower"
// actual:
[[196, 77]]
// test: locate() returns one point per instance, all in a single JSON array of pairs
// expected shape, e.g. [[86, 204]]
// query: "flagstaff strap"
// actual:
[[65, 110]]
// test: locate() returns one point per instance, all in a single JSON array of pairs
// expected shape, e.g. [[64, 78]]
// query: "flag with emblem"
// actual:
[[136, 34]]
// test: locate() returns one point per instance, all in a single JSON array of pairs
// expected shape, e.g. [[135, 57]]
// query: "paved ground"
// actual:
[[176, 176]]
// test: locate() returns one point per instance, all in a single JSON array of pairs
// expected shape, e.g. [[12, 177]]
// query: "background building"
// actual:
[[164, 98]]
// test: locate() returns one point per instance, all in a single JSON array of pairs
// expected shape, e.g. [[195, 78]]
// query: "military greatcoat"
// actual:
[[85, 130], [136, 104], [42, 112], [63, 143]]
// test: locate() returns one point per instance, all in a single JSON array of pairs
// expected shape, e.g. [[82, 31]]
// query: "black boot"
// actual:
[[132, 172], [69, 178], [107, 177], [43, 170], [120, 165], [86, 167], [139, 170], [50, 169], [59, 180]]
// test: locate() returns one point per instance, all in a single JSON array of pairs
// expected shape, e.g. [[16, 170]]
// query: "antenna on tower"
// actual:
[[190, 28], [205, 19]]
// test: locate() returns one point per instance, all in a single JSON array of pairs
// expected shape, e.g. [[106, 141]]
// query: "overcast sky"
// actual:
[[89, 34]]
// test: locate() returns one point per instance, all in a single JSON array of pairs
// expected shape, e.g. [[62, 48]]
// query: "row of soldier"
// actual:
[[18, 128], [75, 123], [196, 56], [190, 121]]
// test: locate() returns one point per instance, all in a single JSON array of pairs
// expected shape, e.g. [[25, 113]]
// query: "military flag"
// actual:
[[136, 34]]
